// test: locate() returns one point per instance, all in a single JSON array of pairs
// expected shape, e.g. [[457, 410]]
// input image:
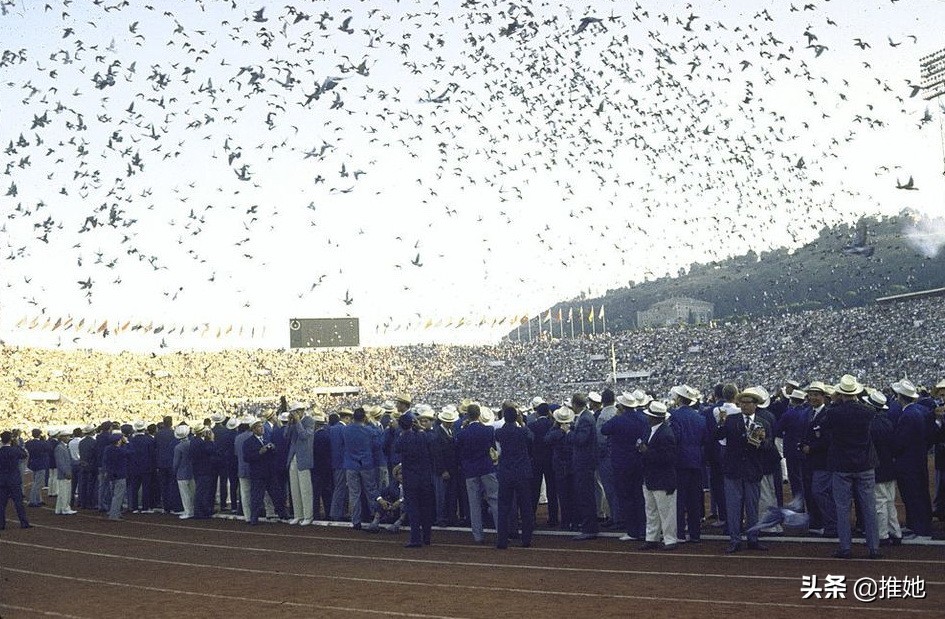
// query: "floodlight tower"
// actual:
[[932, 76]]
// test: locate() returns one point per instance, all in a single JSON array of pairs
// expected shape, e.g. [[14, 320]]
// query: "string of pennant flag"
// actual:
[[107, 327], [512, 322]]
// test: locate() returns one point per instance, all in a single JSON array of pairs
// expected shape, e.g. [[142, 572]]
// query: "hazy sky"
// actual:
[[211, 164]]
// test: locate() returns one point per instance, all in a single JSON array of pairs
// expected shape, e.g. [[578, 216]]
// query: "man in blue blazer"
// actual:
[[514, 476], [659, 455], [473, 442], [300, 437], [746, 436], [853, 460], [416, 465], [11, 481], [360, 468], [339, 479], [322, 482], [626, 430], [39, 463], [911, 442], [164, 444], [692, 436], [790, 428], [584, 463], [543, 468], [261, 458]]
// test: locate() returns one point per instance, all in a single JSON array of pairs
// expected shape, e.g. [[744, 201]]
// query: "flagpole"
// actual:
[[583, 332], [613, 362], [593, 323], [603, 317], [529, 329], [571, 320]]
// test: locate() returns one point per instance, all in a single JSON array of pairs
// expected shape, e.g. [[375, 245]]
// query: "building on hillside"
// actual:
[[674, 311]]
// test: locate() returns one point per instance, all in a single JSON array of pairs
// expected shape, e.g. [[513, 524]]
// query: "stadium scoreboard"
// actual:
[[323, 332]]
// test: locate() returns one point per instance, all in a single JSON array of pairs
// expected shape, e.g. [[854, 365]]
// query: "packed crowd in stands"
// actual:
[[878, 344]]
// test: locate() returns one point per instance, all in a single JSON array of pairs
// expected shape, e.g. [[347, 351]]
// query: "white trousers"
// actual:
[[767, 498], [887, 519], [300, 483], [65, 493], [187, 488], [51, 483], [244, 497], [660, 515]]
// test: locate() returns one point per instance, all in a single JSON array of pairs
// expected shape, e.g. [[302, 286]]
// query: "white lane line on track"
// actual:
[[451, 563], [38, 611], [280, 603], [367, 540], [577, 594], [568, 534]]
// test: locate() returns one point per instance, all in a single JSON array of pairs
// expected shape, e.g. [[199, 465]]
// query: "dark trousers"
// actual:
[[515, 495], [88, 478], [420, 505], [229, 486], [585, 500], [795, 474], [544, 471], [258, 487], [778, 486], [810, 504], [322, 488], [203, 496], [447, 498], [629, 486], [170, 495], [717, 490], [12, 490], [139, 482], [689, 503], [564, 480], [742, 497], [913, 485]]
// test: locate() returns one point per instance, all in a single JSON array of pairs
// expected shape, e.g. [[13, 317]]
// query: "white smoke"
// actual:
[[925, 234]]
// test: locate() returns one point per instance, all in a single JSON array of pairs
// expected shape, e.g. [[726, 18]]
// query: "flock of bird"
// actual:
[[187, 153]]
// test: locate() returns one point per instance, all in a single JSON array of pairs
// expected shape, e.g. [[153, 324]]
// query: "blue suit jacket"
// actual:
[[851, 447], [359, 442], [141, 457], [165, 442], [584, 442], [183, 463], [541, 453], [336, 432], [791, 427], [691, 434], [515, 463], [321, 451], [115, 461], [472, 444], [910, 438], [659, 460], [260, 465], [10, 456], [624, 432], [741, 460], [40, 454], [299, 437], [415, 460]]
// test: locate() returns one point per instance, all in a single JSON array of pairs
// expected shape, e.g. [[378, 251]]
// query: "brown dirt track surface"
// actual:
[[159, 566]]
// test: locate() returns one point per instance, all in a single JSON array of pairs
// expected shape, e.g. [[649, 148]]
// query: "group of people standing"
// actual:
[[623, 462]]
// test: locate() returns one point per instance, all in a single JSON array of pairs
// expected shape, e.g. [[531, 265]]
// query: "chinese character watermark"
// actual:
[[834, 586]]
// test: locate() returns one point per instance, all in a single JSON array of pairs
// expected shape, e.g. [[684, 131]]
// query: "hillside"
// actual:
[[818, 275]]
